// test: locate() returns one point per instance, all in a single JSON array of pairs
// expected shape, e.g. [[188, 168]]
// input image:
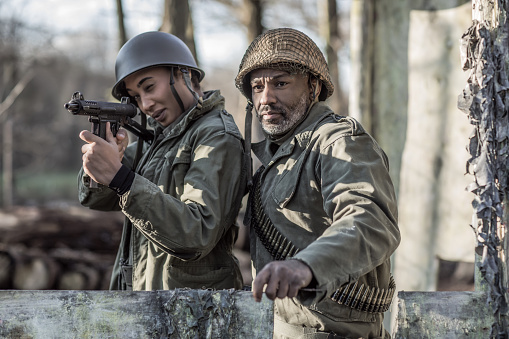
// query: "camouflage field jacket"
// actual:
[[180, 211], [327, 190]]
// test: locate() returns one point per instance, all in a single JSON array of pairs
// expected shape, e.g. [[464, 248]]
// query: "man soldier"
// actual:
[[322, 208], [182, 198]]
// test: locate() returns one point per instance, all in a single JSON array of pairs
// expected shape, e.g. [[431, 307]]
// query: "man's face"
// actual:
[[280, 99], [151, 89]]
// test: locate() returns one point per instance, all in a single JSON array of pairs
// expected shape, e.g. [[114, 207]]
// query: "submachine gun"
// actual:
[[117, 114]]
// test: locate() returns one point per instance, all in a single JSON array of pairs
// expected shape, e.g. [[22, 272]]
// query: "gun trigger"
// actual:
[[114, 128]]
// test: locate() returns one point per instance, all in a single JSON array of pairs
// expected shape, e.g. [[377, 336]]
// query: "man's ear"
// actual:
[[315, 87]]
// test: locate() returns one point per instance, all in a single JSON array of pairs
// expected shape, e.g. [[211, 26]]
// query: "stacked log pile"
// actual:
[[65, 248], [74, 248]]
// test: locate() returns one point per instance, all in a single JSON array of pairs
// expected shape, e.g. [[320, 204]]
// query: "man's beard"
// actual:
[[290, 115]]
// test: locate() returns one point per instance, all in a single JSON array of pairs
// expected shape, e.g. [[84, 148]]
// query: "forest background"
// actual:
[[396, 67]]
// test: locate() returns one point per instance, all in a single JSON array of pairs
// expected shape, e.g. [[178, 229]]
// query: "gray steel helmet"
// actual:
[[151, 49]]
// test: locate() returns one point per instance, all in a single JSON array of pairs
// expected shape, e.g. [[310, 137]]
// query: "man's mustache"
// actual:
[[272, 108]]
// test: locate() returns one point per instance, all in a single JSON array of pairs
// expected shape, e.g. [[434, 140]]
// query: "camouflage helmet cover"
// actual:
[[286, 49]]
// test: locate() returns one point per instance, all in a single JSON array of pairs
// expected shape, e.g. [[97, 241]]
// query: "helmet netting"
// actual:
[[284, 49]]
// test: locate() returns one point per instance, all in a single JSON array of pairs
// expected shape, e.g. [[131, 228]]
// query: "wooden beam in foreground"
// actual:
[[443, 315], [182, 313]]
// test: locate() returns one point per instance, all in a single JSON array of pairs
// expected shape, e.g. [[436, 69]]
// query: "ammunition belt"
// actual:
[[277, 244], [362, 298], [365, 298]]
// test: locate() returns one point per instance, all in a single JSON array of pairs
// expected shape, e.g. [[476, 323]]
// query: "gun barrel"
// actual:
[[87, 107], [72, 107]]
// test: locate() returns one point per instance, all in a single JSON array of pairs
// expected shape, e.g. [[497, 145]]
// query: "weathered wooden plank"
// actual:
[[172, 314], [443, 315]]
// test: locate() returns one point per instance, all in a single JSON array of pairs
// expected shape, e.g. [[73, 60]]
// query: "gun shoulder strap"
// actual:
[[359, 297]]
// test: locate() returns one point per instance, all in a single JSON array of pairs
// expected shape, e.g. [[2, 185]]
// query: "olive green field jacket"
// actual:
[[327, 190], [180, 211]]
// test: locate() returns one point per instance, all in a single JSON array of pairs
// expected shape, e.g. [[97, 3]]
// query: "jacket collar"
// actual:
[[211, 99]]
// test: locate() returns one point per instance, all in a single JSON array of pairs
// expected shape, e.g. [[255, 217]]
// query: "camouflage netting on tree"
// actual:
[[484, 101]]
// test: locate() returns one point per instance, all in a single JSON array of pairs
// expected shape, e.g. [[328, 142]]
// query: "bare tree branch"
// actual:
[[15, 92]]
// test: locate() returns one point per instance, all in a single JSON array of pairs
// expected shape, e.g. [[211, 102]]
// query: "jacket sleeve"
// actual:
[[190, 223], [359, 198], [102, 198]]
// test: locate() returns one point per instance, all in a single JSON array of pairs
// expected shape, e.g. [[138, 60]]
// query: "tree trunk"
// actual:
[[362, 24], [7, 164], [177, 20], [122, 35], [252, 18], [406, 68], [434, 207], [379, 88], [333, 44], [9, 79], [406, 80], [7, 117]]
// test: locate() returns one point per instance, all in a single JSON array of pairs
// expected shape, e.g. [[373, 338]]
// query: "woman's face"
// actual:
[[151, 89]]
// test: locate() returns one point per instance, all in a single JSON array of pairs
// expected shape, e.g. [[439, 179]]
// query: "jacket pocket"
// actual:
[[286, 184], [176, 165]]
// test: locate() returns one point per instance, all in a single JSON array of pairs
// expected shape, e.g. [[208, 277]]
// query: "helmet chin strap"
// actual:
[[174, 91], [187, 80], [247, 142]]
